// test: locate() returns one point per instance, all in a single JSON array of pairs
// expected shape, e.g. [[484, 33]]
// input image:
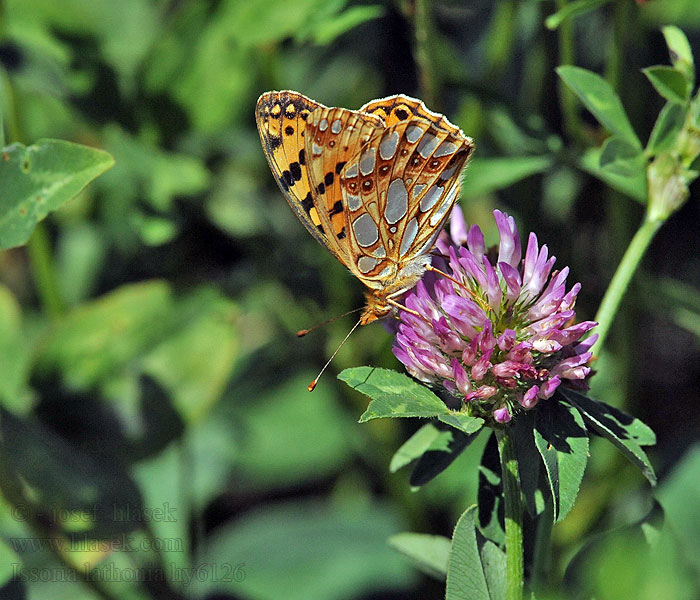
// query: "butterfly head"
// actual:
[[377, 307], [382, 301]]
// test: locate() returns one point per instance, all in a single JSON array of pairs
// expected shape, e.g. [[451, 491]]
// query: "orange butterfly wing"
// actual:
[[398, 192], [281, 120]]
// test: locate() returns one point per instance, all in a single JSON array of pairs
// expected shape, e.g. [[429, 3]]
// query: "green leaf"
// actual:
[[155, 478], [426, 438], [305, 550], [620, 158], [493, 560], [184, 364], [571, 10], [261, 23], [95, 341], [465, 573], [669, 82], [641, 560], [437, 458], [276, 428], [668, 125], [681, 53], [38, 179], [634, 187], [429, 553], [327, 31], [678, 495], [393, 394], [625, 432], [562, 441], [462, 421], [488, 175], [601, 100], [397, 395], [145, 172]]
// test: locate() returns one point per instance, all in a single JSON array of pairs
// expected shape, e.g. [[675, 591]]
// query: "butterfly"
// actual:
[[373, 186]]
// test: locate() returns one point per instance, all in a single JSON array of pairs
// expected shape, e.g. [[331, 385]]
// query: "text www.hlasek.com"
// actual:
[[84, 543], [204, 572]]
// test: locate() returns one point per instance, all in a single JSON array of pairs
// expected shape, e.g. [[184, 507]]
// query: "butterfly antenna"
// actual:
[[303, 332], [312, 385]]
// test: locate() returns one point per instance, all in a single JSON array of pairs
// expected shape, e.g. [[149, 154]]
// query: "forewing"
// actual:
[[398, 192], [333, 136], [395, 109], [281, 120]]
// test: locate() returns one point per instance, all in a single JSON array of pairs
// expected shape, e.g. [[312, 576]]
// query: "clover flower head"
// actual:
[[499, 332]]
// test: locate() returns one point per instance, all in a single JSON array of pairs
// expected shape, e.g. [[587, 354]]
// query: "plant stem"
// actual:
[[501, 38], [44, 272], [567, 100], [426, 73], [41, 259], [616, 290], [513, 514]]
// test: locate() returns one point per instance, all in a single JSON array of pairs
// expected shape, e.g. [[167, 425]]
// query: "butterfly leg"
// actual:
[[395, 304], [476, 298]]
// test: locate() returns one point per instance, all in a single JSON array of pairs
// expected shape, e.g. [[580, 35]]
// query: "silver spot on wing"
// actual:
[[431, 197], [409, 235], [365, 229], [437, 216], [427, 145], [351, 171], [413, 133], [366, 263], [367, 161], [445, 148], [388, 145], [396, 201], [354, 202]]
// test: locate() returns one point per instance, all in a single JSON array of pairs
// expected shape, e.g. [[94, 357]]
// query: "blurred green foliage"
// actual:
[[156, 436]]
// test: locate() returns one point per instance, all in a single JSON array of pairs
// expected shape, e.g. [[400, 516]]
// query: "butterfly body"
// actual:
[[373, 186]]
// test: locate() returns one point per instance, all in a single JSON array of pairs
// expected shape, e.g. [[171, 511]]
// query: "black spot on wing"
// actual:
[[302, 157], [321, 188], [307, 203], [341, 235], [273, 142], [337, 208], [287, 179], [295, 170], [289, 130], [401, 114], [339, 167], [328, 179]]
